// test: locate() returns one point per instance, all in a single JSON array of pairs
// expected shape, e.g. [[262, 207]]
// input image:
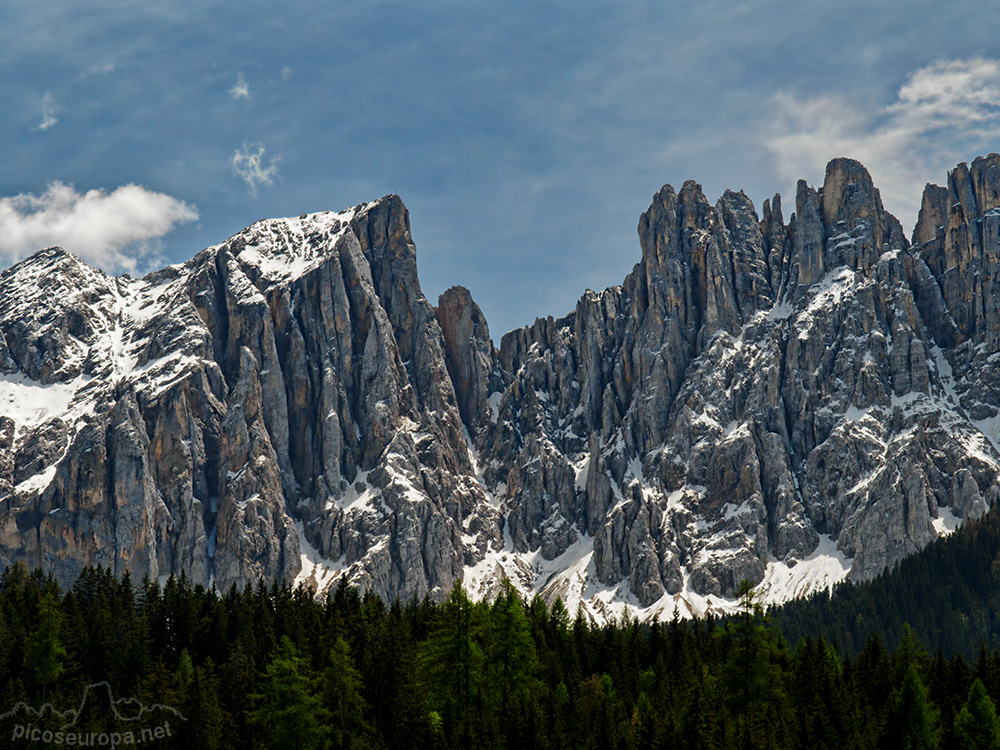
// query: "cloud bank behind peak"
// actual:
[[942, 113], [115, 230]]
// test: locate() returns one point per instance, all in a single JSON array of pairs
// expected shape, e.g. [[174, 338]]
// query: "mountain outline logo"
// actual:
[[125, 714]]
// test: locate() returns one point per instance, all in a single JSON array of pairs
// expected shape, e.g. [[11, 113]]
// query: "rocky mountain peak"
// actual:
[[791, 403], [279, 250], [470, 355], [956, 231], [933, 214], [985, 176], [850, 196], [55, 306]]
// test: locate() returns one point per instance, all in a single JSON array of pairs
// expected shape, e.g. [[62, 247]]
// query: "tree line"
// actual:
[[949, 593], [272, 667]]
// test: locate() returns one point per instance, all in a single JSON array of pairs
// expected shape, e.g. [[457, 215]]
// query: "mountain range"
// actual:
[[791, 403]]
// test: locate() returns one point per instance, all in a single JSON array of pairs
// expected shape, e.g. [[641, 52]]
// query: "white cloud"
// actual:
[[944, 113], [286, 72], [49, 110], [100, 70], [111, 230], [248, 163], [240, 89]]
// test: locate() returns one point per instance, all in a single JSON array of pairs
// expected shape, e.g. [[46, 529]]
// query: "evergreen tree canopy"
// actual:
[[288, 711], [977, 726]]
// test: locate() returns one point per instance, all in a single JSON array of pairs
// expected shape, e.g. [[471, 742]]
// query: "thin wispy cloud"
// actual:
[[286, 72], [100, 70], [248, 164], [240, 89], [113, 230], [944, 113], [49, 110]]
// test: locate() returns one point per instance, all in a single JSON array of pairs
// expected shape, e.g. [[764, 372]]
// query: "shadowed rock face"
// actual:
[[288, 404], [469, 354]]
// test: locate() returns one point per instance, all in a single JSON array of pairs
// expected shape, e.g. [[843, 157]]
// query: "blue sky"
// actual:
[[525, 137]]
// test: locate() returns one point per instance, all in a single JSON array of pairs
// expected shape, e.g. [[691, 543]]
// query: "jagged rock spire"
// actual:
[[776, 401]]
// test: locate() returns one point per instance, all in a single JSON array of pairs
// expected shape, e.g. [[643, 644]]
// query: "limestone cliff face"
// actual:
[[279, 406], [469, 354], [776, 401], [754, 398]]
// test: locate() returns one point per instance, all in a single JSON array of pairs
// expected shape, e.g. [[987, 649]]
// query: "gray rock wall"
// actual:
[[288, 404]]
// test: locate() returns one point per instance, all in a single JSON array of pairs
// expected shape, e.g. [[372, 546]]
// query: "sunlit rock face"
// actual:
[[788, 403]]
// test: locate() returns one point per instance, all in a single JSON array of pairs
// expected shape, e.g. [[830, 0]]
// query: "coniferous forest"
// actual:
[[271, 667], [949, 593]]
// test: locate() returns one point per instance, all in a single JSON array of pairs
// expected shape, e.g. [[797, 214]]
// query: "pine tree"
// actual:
[[977, 726], [45, 652], [452, 661], [288, 711], [873, 681], [204, 727], [513, 662], [185, 669], [342, 694], [699, 724], [396, 704], [916, 718], [238, 679], [601, 713], [754, 675]]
